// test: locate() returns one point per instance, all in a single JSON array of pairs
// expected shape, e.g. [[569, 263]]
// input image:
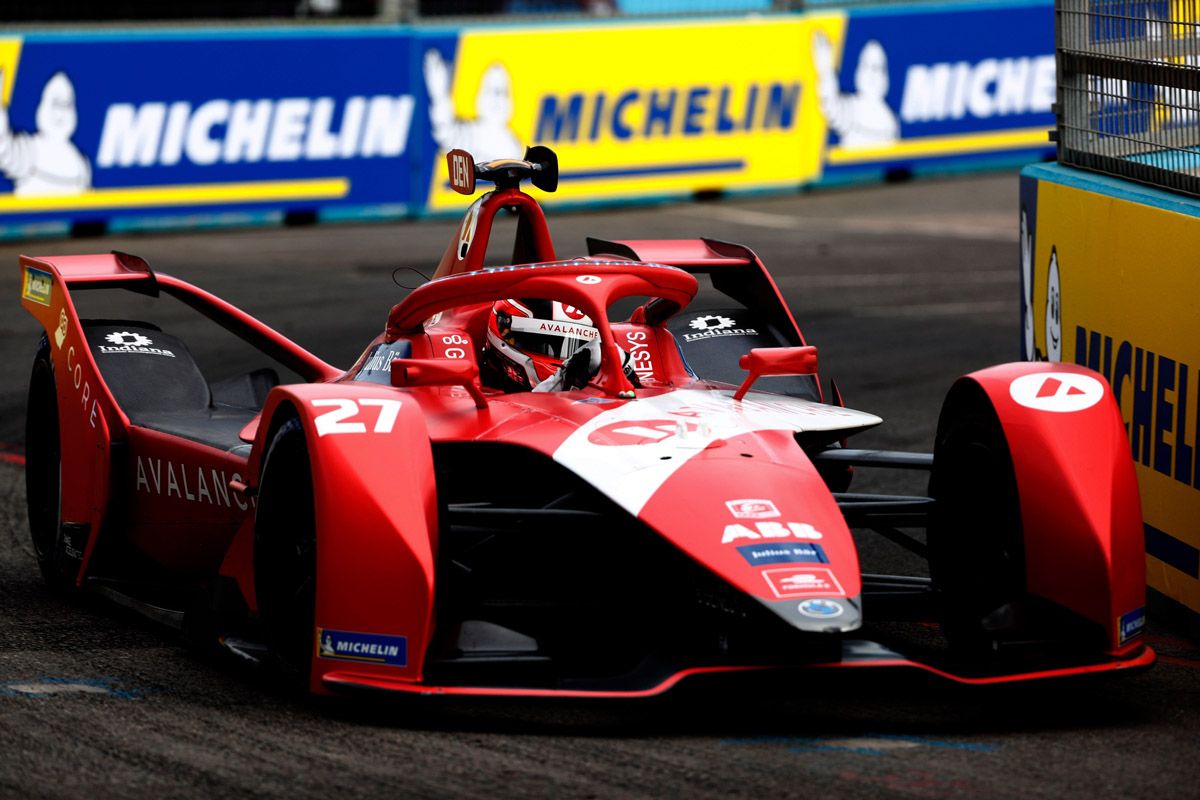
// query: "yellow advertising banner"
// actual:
[[726, 103], [1111, 283]]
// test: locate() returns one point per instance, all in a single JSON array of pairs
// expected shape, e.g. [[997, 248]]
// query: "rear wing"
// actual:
[[736, 271], [89, 418], [125, 271]]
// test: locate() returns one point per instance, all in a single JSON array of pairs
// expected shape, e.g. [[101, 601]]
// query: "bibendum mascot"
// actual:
[[46, 162]]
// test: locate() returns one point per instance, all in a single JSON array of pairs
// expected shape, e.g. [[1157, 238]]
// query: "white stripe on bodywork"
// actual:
[[631, 474]]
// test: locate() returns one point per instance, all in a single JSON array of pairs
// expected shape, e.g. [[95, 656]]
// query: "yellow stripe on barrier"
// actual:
[[942, 145], [182, 195]]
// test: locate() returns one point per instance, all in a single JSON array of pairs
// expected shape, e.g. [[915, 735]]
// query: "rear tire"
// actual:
[[285, 554], [43, 475], [976, 544]]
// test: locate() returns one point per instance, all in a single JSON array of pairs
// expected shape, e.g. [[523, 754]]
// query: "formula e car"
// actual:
[[592, 476]]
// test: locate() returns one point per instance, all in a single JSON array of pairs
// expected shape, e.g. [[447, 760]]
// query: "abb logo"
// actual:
[[771, 530]]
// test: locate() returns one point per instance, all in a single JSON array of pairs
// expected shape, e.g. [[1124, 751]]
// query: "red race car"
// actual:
[[666, 486]]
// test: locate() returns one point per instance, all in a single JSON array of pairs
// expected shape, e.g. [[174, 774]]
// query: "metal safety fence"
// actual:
[[1129, 89]]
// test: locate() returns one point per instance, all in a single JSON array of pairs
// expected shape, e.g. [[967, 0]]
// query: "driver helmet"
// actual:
[[528, 340]]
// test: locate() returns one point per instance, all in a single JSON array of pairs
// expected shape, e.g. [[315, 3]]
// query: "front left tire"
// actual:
[[285, 553]]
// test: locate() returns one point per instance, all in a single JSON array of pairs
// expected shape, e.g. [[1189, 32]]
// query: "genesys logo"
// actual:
[[752, 509], [735, 531]]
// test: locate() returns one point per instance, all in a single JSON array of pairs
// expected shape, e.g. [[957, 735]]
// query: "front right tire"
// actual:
[[976, 543]]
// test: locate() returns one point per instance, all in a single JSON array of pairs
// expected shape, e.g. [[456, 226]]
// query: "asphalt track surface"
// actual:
[[902, 287]]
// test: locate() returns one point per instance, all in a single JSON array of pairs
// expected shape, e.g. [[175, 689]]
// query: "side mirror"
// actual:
[[775, 361], [408, 372]]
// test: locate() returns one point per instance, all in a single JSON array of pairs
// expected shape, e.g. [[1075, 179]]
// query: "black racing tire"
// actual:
[[976, 543], [285, 554], [43, 475]]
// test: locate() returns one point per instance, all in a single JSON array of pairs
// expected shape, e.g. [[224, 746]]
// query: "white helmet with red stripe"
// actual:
[[528, 340]]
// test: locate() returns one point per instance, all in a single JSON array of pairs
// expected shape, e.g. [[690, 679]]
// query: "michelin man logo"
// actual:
[[861, 119], [1053, 311], [46, 161], [488, 136]]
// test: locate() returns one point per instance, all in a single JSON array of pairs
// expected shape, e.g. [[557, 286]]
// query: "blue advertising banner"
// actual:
[[132, 128], [103, 126], [928, 84]]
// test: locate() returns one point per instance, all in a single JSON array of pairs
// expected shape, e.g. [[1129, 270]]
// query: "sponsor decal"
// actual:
[[752, 509], [630, 476], [1061, 392], [60, 333], [588, 280], [1130, 625], [194, 483], [336, 420], [37, 286], [639, 354], [821, 609], [770, 530], [377, 367], [639, 432], [370, 648], [802, 582], [82, 386], [555, 328], [570, 312], [714, 325], [711, 323], [759, 554], [127, 342]]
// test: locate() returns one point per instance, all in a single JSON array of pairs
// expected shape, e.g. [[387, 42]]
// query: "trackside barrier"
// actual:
[[1108, 275], [198, 127]]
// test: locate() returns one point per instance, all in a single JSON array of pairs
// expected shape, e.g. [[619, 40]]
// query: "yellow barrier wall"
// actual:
[[1111, 280]]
